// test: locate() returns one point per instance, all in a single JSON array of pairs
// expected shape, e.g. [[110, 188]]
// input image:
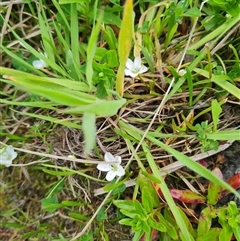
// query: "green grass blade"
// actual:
[[222, 81], [75, 39], [165, 190], [124, 44], [99, 107], [62, 122], [91, 48], [231, 135], [89, 131], [196, 167]]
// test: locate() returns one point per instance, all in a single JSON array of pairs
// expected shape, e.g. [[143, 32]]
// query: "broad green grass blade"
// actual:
[[75, 40], [89, 131], [222, 81], [216, 111], [124, 44], [91, 48], [74, 85], [99, 107], [231, 135], [53, 92]]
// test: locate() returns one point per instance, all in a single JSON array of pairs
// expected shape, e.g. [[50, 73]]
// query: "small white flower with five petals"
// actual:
[[112, 170], [7, 155], [134, 68]]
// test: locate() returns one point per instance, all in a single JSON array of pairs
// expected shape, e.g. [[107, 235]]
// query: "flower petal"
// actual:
[[143, 69], [137, 63], [39, 64], [108, 157], [118, 159], [128, 72], [104, 167], [111, 175], [182, 72], [129, 64], [120, 171], [6, 162], [8, 156]]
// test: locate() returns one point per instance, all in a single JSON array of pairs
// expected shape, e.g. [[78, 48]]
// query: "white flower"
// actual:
[[113, 169], [182, 72], [7, 155], [135, 68], [40, 64]]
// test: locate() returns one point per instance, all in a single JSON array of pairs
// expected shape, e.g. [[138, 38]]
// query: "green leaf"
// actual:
[[127, 221], [137, 235], [47, 202], [192, 12], [58, 173], [79, 216], [158, 225], [124, 204], [166, 193], [110, 38], [231, 135], [204, 222], [53, 92], [236, 232], [222, 81], [151, 177], [113, 186], [112, 58], [102, 215], [139, 208], [120, 189], [214, 190], [89, 131], [226, 233], [17, 64], [91, 48], [169, 222], [100, 107], [211, 235], [73, 204], [113, 19], [149, 196], [216, 111], [194, 165], [58, 187], [124, 44]]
